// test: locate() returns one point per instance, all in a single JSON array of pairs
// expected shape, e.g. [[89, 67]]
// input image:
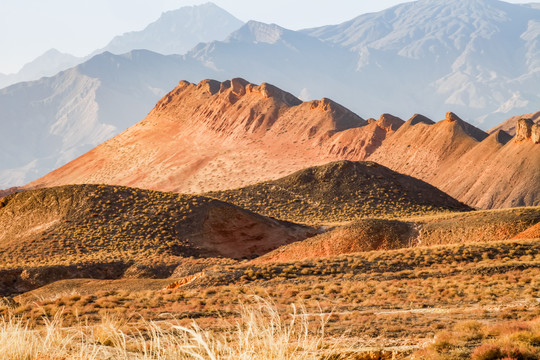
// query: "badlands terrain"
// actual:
[[238, 221]]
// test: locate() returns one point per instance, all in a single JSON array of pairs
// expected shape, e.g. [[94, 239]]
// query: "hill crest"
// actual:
[[341, 191]]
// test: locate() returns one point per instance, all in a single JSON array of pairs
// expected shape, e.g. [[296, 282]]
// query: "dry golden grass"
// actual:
[[261, 332], [460, 271], [476, 340]]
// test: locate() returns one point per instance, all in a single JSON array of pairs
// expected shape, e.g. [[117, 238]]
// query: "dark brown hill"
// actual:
[[341, 191], [79, 223]]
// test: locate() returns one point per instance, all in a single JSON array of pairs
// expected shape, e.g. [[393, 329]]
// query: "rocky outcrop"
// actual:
[[510, 124], [524, 129], [389, 122], [535, 133]]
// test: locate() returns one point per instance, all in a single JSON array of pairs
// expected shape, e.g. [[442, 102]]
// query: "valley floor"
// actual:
[[427, 302]]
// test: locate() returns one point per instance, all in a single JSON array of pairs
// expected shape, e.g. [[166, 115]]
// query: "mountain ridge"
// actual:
[[220, 135], [341, 191], [177, 31]]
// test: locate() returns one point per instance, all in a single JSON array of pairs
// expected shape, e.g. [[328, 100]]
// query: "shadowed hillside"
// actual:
[[74, 224], [341, 191]]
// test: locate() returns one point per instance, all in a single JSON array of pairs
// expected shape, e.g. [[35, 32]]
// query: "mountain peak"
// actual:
[[258, 32], [389, 122], [501, 136], [419, 118], [469, 129], [177, 31]]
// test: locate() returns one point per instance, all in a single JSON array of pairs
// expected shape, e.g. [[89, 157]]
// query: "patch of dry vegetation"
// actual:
[[97, 223], [477, 340], [477, 226], [396, 300], [341, 191], [458, 278], [386, 234], [260, 333]]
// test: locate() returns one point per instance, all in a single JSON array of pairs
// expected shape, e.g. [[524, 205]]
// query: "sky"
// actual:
[[28, 28]]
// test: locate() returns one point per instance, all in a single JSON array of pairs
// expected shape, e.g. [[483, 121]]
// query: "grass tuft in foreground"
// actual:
[[261, 333]]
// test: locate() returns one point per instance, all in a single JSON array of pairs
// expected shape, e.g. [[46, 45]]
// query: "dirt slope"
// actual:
[[380, 234], [341, 191], [483, 171], [73, 224]]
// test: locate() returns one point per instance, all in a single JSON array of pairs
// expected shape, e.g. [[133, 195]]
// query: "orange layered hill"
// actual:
[[421, 148], [215, 135], [498, 173], [383, 234], [222, 135], [484, 171], [509, 125]]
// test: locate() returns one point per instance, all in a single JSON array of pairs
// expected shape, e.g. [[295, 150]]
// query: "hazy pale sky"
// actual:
[[28, 28]]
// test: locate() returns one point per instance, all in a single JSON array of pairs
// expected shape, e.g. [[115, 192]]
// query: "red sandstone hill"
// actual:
[[214, 136], [509, 125], [222, 135], [485, 172]]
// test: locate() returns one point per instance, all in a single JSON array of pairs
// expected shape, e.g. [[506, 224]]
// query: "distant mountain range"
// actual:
[[175, 32], [48, 64], [478, 58]]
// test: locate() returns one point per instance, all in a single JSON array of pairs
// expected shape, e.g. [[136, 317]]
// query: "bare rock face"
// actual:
[[524, 129], [450, 116], [389, 122], [535, 133]]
